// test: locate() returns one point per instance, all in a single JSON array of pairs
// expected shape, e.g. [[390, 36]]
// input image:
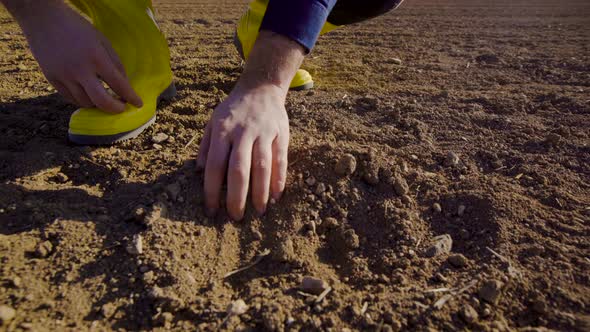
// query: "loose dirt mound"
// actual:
[[481, 133]]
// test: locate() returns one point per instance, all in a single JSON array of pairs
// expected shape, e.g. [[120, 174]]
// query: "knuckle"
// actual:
[[261, 164], [238, 171]]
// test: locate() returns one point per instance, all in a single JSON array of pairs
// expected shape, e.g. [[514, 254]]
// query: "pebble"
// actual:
[[313, 285], [16, 282], [351, 240], [61, 178], [458, 260], [330, 223], [138, 214], [442, 245], [491, 290], [452, 159], [401, 186], [43, 249], [310, 181], [135, 247], [461, 210], [553, 139], [320, 189], [346, 165], [396, 61], [108, 309], [236, 308], [6, 314], [173, 190], [285, 251], [468, 314], [437, 207], [160, 138]]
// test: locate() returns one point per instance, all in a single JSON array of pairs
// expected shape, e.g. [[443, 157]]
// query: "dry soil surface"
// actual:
[[481, 133]]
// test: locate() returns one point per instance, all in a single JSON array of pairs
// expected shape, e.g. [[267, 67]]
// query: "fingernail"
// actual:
[[262, 211]]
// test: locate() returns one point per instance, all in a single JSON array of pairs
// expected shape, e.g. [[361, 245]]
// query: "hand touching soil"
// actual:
[[75, 57]]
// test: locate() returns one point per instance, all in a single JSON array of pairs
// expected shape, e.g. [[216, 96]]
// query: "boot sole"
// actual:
[[168, 94]]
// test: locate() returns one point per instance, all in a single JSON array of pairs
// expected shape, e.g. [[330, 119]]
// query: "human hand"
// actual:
[[246, 139], [76, 58]]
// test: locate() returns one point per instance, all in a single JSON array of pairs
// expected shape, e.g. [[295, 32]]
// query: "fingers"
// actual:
[[63, 91], [204, 148], [80, 95], [117, 80], [215, 172], [280, 149], [238, 176], [101, 98], [261, 174]]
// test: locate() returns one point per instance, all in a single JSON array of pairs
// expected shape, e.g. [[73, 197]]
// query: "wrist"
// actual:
[[274, 60]]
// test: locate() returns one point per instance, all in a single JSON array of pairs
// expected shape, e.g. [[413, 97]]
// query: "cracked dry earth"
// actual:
[[446, 191]]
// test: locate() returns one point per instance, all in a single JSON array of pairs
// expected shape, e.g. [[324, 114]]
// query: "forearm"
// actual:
[[29, 10], [274, 60]]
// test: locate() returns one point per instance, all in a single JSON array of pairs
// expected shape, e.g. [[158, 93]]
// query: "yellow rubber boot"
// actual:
[[247, 32], [143, 50]]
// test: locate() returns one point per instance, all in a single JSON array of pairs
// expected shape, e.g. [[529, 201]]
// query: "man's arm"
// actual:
[[248, 134], [72, 54]]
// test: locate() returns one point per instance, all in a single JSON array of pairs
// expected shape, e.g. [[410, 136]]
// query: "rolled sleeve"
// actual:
[[299, 20]]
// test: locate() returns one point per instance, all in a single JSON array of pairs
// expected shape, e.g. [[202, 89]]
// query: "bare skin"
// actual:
[[247, 138], [73, 55]]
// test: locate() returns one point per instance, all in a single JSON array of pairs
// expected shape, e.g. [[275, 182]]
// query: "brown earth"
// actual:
[[500, 86]]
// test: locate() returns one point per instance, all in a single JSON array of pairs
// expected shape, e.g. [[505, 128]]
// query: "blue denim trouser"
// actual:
[[354, 11]]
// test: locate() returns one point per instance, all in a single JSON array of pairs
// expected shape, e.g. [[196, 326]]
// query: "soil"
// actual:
[[482, 132]]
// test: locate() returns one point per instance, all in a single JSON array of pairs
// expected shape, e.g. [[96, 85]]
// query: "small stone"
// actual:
[[320, 189], [6, 314], [173, 190], [396, 61], [401, 186], [351, 240], [539, 306], [437, 207], [144, 268], [440, 278], [157, 146], [236, 308], [61, 178], [16, 282], [452, 159], [310, 181], [442, 246], [108, 310], [491, 290], [468, 314], [458, 260], [488, 58], [346, 165], [313, 285], [163, 319], [138, 214], [371, 175], [330, 223], [285, 251], [257, 235], [43, 249], [135, 247], [148, 277], [159, 138], [536, 250], [461, 210], [22, 67]]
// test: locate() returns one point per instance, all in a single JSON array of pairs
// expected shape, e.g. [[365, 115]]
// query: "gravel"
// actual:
[[313, 285], [6, 314]]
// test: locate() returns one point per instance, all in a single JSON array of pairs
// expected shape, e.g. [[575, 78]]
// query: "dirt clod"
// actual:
[[458, 260], [346, 165], [135, 246], [442, 246], [313, 285], [160, 138], [351, 239], [468, 314], [491, 290], [400, 186], [285, 251], [6, 314], [452, 159], [237, 307], [43, 249]]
